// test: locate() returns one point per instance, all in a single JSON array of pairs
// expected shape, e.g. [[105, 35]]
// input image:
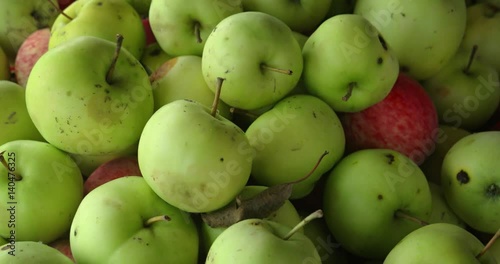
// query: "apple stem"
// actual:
[[471, 59], [489, 244], [350, 87], [269, 68], [17, 177], [403, 215], [59, 10], [234, 110], [155, 219], [111, 70], [315, 215], [313, 169], [197, 32], [218, 88]]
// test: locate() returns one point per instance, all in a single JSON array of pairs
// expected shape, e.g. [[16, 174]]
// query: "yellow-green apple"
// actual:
[[348, 64], [415, 31], [257, 56], [15, 122], [301, 16], [182, 27], [446, 137], [32, 252], [181, 78], [466, 91], [4, 66], [441, 211], [190, 156], [35, 45], [439, 243], [132, 225], [153, 57], [97, 92], [406, 121], [287, 140], [373, 198], [42, 190], [110, 170], [102, 19], [18, 19], [470, 179]]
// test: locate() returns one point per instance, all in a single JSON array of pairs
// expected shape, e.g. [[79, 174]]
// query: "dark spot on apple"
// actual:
[[463, 177], [314, 114], [36, 15], [380, 60], [256, 223], [68, 93], [390, 157], [382, 41], [221, 159], [75, 232], [155, 52], [99, 3], [404, 68], [418, 190], [119, 17], [403, 14], [380, 197], [106, 91], [98, 85], [493, 190]]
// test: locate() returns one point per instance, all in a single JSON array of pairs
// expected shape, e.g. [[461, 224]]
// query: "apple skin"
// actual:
[[113, 169], [4, 66], [32, 252], [150, 37], [62, 244], [35, 45], [439, 243], [115, 214], [64, 3], [406, 121], [470, 178], [441, 211]]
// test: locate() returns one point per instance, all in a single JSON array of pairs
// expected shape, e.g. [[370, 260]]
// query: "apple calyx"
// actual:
[[493, 190], [111, 70], [197, 32], [59, 10], [266, 67], [489, 244], [260, 206], [10, 169], [218, 88], [403, 215], [350, 87], [155, 219], [314, 215], [471, 59]]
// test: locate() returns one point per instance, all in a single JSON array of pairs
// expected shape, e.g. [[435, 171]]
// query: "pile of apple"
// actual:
[[249, 131]]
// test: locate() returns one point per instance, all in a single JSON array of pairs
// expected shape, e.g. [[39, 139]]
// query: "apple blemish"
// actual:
[[462, 177]]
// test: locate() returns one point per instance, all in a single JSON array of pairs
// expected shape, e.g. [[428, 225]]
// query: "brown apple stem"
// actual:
[[313, 169], [197, 32], [471, 59], [59, 10], [111, 70], [218, 88], [406, 216], [315, 215], [17, 177], [155, 219], [269, 68], [238, 111], [489, 244], [350, 87]]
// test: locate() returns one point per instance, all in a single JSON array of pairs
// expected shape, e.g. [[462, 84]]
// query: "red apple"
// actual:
[[113, 169], [64, 3], [62, 244], [405, 121], [35, 45], [150, 37]]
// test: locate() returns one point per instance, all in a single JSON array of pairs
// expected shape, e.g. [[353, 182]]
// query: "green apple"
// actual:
[[439, 243], [370, 197], [470, 179], [301, 16], [344, 60], [182, 27], [4, 65], [153, 57], [301, 38], [286, 215], [127, 219], [446, 137], [181, 78], [15, 122], [261, 241], [42, 189], [191, 157], [102, 19], [32, 252], [466, 92], [441, 211], [415, 31], [483, 29], [258, 57], [288, 140], [96, 109], [18, 19]]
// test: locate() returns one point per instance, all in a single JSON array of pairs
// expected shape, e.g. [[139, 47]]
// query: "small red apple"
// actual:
[[113, 169], [150, 37], [64, 3], [405, 121], [33, 47], [62, 244]]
